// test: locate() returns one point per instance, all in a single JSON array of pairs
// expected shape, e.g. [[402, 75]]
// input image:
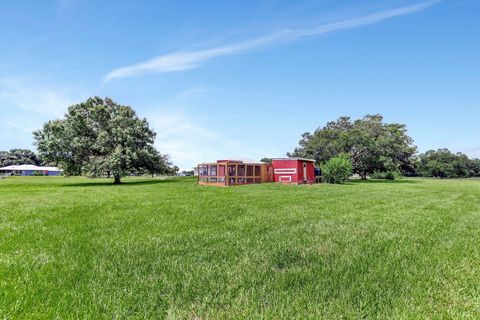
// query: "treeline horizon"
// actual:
[[440, 163], [375, 148], [381, 150]]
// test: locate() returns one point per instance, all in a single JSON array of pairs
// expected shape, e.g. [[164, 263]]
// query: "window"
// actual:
[[213, 179], [258, 171], [232, 171], [249, 171], [241, 180], [213, 171], [241, 170], [203, 170]]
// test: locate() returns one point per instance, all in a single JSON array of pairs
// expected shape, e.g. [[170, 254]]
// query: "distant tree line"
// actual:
[[18, 157], [100, 138], [26, 156], [444, 164], [380, 149]]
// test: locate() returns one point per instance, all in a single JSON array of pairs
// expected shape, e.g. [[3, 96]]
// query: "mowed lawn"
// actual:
[[152, 248]]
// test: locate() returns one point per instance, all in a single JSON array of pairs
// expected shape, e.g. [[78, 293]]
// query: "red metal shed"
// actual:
[[294, 170]]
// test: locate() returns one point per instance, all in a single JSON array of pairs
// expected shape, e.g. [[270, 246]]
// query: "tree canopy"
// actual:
[[442, 163], [99, 137], [18, 157], [371, 144]]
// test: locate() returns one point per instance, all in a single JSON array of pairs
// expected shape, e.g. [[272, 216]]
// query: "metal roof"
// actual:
[[24, 167], [301, 159]]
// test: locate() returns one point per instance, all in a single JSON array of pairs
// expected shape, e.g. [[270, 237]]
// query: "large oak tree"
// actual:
[[371, 144], [99, 137]]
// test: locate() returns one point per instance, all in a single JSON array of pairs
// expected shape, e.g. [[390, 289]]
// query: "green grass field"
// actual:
[[151, 248]]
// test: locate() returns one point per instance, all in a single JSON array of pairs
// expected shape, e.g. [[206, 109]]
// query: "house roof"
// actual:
[[300, 159], [240, 160], [24, 167], [235, 159]]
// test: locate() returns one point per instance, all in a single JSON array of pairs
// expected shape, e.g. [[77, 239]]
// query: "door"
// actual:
[[304, 172]]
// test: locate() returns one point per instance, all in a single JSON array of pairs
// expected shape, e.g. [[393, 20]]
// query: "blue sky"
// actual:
[[219, 79]]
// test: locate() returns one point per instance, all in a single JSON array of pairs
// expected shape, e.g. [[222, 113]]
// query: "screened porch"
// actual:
[[230, 173]]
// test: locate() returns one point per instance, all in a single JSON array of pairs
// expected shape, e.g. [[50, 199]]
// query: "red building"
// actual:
[[294, 170], [224, 173]]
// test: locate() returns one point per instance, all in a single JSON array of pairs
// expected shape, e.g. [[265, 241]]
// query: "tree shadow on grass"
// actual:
[[383, 181], [103, 183]]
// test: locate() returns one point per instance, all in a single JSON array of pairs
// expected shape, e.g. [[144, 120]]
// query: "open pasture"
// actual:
[[151, 248]]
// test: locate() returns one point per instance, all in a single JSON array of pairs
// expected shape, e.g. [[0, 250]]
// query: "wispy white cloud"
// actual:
[[189, 138], [181, 61], [180, 134], [20, 126], [42, 100], [25, 106], [182, 137]]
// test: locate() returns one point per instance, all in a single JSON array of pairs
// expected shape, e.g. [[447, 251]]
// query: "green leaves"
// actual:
[[99, 137], [444, 164], [369, 143], [337, 170], [17, 157]]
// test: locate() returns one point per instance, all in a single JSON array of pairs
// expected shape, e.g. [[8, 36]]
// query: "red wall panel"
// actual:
[[291, 171]]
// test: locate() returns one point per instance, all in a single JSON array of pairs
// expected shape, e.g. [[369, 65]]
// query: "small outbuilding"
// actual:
[[225, 173], [294, 170]]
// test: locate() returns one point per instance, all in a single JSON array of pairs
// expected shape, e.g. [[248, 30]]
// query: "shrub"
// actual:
[[337, 170], [388, 175]]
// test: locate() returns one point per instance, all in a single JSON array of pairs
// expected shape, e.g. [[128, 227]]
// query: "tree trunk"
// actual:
[[117, 180]]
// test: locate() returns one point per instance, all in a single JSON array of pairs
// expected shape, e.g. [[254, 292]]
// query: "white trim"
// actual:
[[285, 171], [286, 177], [300, 159]]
